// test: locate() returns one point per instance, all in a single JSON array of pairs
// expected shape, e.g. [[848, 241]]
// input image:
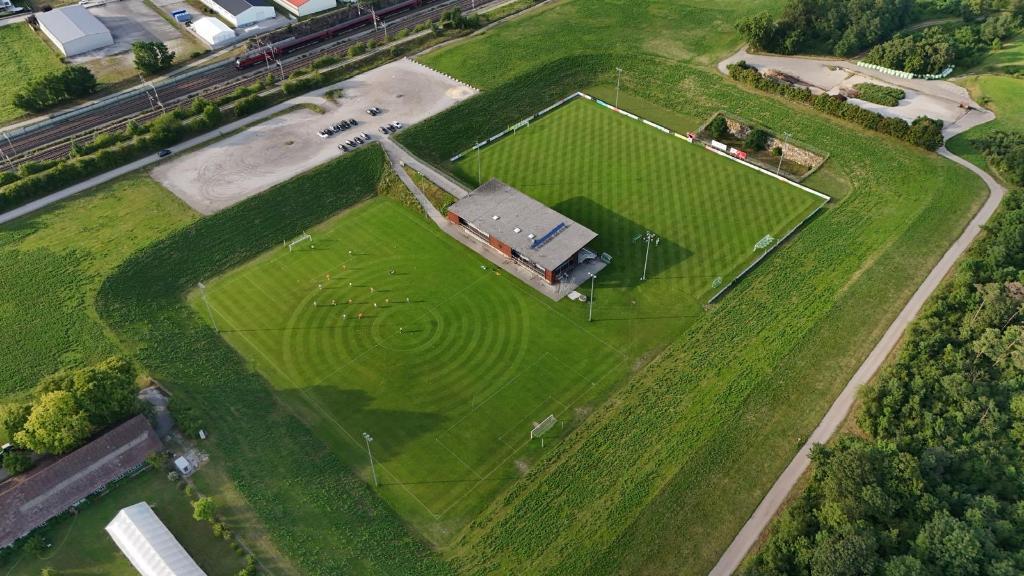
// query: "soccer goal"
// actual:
[[545, 425], [297, 241]]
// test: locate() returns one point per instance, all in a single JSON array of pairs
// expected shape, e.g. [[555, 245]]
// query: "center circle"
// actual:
[[405, 327]]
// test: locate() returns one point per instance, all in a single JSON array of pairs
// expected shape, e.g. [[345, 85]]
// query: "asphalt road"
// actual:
[[772, 502]]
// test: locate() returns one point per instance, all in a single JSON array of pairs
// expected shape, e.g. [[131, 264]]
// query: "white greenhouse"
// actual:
[[149, 545]]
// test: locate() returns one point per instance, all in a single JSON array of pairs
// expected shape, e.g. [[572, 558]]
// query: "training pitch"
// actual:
[[383, 324]]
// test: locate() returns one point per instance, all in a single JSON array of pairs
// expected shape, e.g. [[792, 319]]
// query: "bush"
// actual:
[[152, 57], [16, 462], [325, 61], [1005, 151], [878, 94], [356, 49], [55, 88], [249, 104], [756, 139], [718, 128]]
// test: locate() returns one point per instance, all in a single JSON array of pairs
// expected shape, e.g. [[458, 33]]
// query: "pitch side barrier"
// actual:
[[691, 138]]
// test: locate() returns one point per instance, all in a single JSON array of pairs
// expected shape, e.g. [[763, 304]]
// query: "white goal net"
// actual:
[[303, 238], [544, 426]]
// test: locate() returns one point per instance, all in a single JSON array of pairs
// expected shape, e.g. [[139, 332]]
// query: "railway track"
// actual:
[[55, 142]]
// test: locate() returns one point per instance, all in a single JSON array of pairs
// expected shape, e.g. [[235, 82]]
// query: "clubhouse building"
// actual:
[[534, 236]]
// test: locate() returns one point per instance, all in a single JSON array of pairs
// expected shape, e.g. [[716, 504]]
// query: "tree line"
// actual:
[[70, 83], [935, 485], [1005, 151], [68, 408], [935, 48]]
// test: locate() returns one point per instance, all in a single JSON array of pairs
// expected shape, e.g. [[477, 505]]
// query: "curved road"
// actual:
[[772, 502]]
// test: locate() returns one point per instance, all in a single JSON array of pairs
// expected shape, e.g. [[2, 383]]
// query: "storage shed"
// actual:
[[149, 545], [213, 31], [74, 30], [242, 12]]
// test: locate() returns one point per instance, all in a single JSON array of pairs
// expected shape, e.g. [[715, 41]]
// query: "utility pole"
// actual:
[[782, 152], [649, 237], [478, 182], [373, 468], [618, 79], [590, 314], [202, 292]]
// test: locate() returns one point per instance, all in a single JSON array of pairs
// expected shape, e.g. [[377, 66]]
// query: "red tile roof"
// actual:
[[32, 498]]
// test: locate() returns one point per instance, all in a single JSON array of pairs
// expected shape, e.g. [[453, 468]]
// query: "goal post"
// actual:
[[295, 242], [545, 425]]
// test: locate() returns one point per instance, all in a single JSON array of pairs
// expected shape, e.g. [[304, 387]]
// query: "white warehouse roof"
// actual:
[[149, 545], [74, 30], [213, 31]]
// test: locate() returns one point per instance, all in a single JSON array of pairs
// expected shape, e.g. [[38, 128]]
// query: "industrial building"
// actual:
[[306, 7], [31, 499], [242, 12], [149, 545], [524, 230], [213, 31], [74, 30]]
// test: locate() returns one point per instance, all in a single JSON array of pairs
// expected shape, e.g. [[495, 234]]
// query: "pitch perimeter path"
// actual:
[[772, 502]]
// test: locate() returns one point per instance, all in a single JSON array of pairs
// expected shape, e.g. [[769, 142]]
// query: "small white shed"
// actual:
[[213, 31]]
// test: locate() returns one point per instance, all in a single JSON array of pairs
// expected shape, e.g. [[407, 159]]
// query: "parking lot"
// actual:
[[131, 21], [244, 164]]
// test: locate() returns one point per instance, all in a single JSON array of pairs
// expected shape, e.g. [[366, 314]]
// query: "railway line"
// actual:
[[55, 141]]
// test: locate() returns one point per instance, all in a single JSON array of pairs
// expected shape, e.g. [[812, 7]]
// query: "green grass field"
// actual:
[[81, 546], [26, 56], [450, 382], [620, 177], [999, 93], [53, 262]]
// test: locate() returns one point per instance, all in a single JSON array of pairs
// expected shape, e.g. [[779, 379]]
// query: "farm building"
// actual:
[[524, 230], [306, 7], [149, 545], [74, 30], [242, 12], [30, 499], [213, 31]]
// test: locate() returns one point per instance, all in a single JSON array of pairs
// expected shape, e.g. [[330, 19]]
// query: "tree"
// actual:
[[152, 57], [106, 391], [16, 462], [203, 509], [718, 128], [56, 425], [756, 139], [13, 417], [758, 30]]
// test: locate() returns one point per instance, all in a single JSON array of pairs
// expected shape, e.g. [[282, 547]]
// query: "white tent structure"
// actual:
[[149, 545], [213, 31], [73, 30]]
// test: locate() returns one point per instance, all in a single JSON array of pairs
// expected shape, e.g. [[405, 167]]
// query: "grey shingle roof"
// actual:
[[555, 238]]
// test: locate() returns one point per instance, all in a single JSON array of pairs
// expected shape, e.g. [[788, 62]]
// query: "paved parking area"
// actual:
[[131, 21], [242, 165]]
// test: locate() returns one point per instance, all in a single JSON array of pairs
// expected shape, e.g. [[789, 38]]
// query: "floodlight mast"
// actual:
[[590, 314], [202, 292], [373, 468], [649, 237], [618, 79], [782, 151]]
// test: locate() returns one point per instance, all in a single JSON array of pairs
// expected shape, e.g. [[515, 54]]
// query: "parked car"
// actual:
[[163, 153], [396, 125]]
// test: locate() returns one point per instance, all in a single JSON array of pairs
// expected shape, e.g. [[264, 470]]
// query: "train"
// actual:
[[278, 49]]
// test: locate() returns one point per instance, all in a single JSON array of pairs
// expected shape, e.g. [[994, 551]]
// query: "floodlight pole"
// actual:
[[590, 314], [649, 237], [478, 182], [618, 79], [785, 141], [202, 292], [373, 468]]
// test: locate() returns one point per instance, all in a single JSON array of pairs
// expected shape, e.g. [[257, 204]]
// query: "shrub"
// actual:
[[55, 88], [325, 61], [718, 128], [756, 139], [249, 104], [16, 462], [878, 94], [1005, 151], [204, 509]]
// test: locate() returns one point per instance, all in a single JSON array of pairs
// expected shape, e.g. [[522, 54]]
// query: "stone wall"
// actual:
[[789, 150]]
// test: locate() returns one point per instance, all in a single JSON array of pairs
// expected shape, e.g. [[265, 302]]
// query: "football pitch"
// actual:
[[382, 324]]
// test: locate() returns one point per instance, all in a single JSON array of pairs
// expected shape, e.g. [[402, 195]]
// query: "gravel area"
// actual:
[[244, 164]]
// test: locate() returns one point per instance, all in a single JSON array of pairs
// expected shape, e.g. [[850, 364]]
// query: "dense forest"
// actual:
[[935, 48], [1005, 151], [848, 27], [935, 485]]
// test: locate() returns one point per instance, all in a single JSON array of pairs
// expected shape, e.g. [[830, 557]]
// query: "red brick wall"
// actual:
[[453, 217], [504, 248], [549, 275]]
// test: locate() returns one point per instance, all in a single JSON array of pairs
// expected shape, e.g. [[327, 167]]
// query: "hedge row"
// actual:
[[321, 515], [924, 132]]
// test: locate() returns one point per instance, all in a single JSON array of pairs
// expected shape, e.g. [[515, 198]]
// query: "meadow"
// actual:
[[53, 262], [82, 547], [999, 93], [26, 57]]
